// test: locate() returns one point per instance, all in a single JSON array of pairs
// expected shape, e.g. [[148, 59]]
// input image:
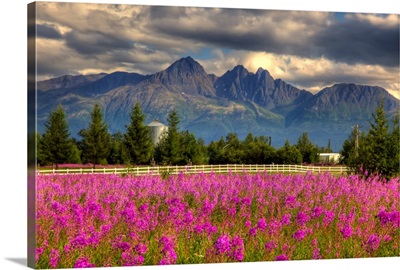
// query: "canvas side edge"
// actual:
[[32, 139]]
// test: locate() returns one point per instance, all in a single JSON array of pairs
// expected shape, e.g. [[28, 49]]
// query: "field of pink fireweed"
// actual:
[[113, 220]]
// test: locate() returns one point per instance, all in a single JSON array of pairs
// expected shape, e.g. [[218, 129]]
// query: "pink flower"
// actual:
[[317, 212], [223, 244], [83, 262], [253, 231], [299, 235], [328, 217], [67, 248], [290, 202], [237, 249], [247, 224], [39, 252], [387, 238], [346, 231], [141, 249], [262, 224], [270, 246], [316, 254], [302, 218], [285, 220], [281, 257], [373, 242], [54, 258]]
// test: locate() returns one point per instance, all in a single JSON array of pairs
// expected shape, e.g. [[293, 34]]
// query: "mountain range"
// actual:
[[210, 106]]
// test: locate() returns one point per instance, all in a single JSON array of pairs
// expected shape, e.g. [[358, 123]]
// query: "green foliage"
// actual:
[[308, 150], [116, 144], [393, 148], [253, 150], [137, 145], [349, 150], [232, 152], [289, 154], [40, 155], [179, 148], [173, 140], [75, 156], [194, 151], [377, 150], [169, 150], [214, 151], [56, 145], [96, 140]]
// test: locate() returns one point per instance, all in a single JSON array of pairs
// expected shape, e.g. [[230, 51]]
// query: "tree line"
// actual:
[[375, 151]]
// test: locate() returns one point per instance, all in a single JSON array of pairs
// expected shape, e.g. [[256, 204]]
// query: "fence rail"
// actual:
[[225, 168]]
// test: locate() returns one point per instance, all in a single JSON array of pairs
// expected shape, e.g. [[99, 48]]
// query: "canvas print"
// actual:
[[163, 135]]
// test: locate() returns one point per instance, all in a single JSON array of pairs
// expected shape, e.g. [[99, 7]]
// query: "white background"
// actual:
[[13, 105]]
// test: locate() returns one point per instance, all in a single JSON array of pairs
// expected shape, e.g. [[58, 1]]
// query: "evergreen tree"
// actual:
[[233, 152], [193, 150], [40, 155], [307, 149], [354, 150], [56, 143], [394, 148], [137, 147], [328, 147], [214, 151], [169, 149], [268, 151], [377, 151], [75, 155], [173, 139], [378, 144], [116, 144], [96, 140], [288, 154]]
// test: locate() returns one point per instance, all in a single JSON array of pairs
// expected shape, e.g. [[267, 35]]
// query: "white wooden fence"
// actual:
[[226, 168]]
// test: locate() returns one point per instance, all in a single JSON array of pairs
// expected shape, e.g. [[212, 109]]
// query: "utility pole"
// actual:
[[356, 141]]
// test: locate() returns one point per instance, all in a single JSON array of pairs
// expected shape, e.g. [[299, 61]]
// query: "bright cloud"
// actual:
[[310, 50]]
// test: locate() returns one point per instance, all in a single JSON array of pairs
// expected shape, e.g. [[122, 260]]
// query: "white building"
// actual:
[[157, 130], [329, 157]]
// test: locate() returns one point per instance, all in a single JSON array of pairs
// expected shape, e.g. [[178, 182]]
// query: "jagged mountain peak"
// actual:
[[261, 71], [185, 76], [186, 65], [239, 68]]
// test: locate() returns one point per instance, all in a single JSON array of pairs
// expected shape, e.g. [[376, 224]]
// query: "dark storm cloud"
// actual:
[[356, 42], [320, 48], [160, 12], [92, 43], [316, 34], [47, 31]]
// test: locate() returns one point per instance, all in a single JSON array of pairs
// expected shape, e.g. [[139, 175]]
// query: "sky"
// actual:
[[308, 49]]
